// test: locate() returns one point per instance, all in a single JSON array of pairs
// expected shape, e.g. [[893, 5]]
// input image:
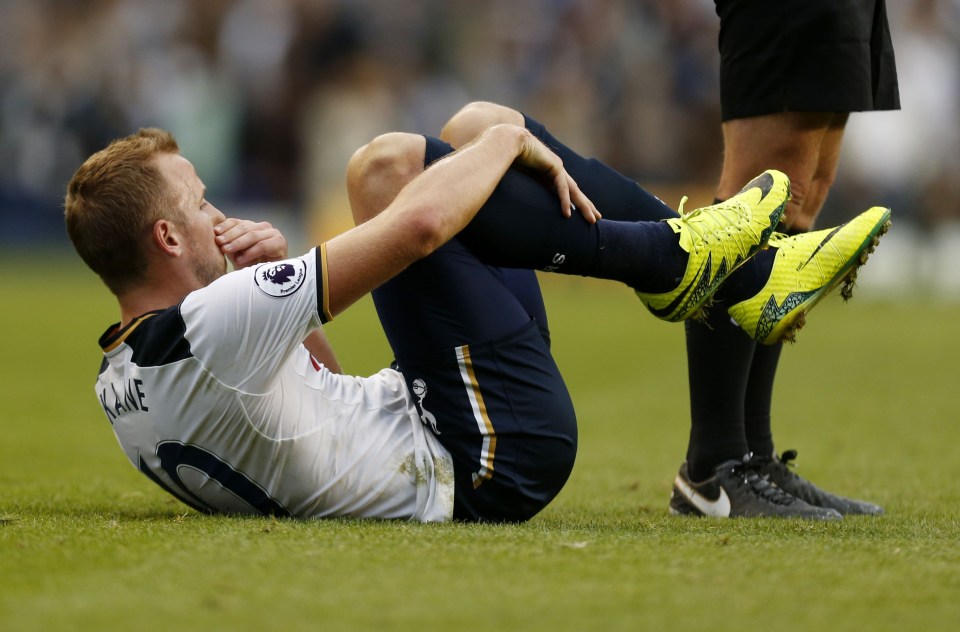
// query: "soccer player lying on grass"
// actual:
[[222, 390]]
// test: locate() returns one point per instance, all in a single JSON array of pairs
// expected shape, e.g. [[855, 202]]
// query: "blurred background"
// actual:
[[269, 98]]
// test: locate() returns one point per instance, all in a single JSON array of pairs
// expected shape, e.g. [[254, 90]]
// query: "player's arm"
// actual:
[[247, 243], [435, 206], [319, 347]]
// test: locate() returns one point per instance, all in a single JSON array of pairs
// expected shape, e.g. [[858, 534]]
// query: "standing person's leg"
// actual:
[[719, 353], [731, 377], [758, 396], [785, 69], [798, 219]]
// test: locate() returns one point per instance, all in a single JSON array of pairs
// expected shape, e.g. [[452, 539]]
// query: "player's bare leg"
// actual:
[[378, 170], [804, 145], [472, 119]]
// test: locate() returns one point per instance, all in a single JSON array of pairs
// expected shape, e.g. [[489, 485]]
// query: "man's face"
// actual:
[[199, 218]]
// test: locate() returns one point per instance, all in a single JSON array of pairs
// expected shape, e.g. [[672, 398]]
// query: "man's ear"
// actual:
[[166, 238]]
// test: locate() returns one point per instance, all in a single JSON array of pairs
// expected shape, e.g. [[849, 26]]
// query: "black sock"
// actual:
[[759, 398], [719, 355], [718, 362]]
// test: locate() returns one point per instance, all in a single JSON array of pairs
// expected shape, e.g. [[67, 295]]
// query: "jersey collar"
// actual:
[[114, 335]]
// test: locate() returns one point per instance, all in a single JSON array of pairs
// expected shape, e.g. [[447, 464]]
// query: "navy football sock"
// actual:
[[645, 255], [627, 252], [615, 195], [746, 280], [520, 226]]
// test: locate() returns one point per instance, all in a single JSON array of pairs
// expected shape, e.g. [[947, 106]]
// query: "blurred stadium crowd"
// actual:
[[269, 98]]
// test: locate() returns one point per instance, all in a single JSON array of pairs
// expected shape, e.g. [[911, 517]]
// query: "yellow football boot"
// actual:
[[719, 239], [806, 268]]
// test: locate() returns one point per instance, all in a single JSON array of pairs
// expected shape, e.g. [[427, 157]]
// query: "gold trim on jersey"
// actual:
[[126, 332], [489, 447], [325, 315]]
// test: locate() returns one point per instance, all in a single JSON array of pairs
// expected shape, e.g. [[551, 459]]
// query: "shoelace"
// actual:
[[784, 465], [732, 210], [787, 456], [761, 486], [785, 461]]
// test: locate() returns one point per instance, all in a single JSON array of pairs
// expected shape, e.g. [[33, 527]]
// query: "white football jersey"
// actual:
[[217, 401]]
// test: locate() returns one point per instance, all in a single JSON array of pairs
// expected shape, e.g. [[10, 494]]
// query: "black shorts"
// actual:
[[805, 56]]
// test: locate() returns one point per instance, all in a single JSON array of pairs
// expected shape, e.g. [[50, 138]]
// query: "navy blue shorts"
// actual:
[[472, 343]]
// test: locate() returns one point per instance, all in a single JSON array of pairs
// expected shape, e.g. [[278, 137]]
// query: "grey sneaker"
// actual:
[[736, 490], [774, 469]]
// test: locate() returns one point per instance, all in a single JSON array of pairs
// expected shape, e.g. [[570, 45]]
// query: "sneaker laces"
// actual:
[[708, 224], [749, 472], [785, 465], [787, 456]]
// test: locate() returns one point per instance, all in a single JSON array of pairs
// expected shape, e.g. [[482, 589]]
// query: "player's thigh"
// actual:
[[445, 300]]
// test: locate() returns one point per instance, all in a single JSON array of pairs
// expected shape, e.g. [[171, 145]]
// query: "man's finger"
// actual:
[[563, 191]]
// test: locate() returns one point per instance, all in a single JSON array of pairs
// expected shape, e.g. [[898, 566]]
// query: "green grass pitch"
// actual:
[[869, 396]]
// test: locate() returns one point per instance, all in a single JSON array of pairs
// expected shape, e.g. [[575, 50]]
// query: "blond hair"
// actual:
[[112, 203]]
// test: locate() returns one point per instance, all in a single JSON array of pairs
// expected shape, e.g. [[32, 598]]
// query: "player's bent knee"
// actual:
[[472, 119], [377, 171], [395, 158]]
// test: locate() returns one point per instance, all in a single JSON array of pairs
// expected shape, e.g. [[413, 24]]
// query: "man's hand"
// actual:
[[246, 243], [534, 155]]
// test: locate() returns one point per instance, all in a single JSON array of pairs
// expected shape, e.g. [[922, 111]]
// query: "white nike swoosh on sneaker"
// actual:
[[719, 508]]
